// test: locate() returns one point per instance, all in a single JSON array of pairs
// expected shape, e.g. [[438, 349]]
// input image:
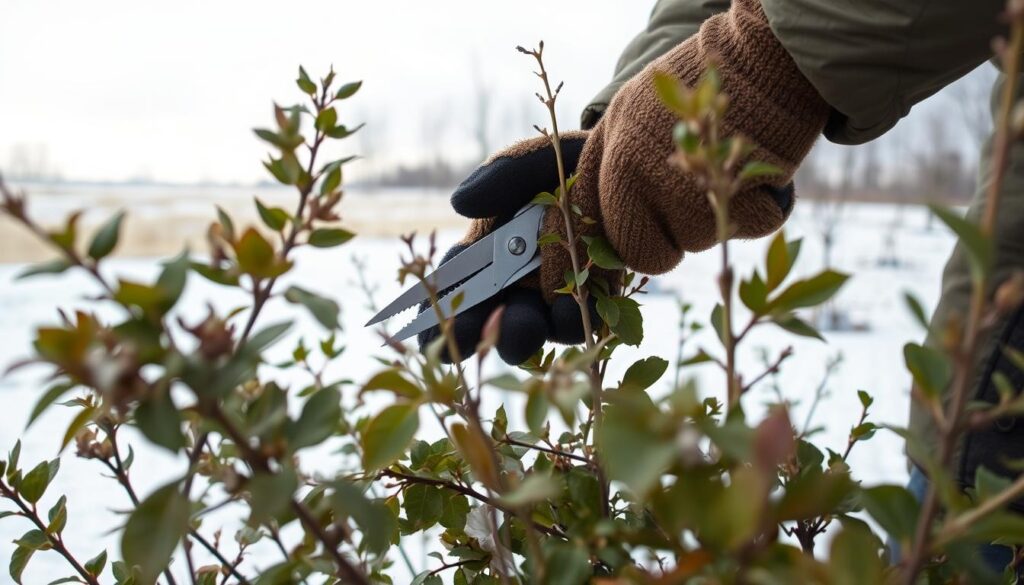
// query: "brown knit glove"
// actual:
[[649, 210]]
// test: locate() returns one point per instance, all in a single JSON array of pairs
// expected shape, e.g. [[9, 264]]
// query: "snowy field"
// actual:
[[872, 359]]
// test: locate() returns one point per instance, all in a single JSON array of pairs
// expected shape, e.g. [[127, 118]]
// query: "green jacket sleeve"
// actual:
[[671, 22], [872, 60]]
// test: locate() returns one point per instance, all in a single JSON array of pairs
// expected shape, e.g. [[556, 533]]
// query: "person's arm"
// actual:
[[872, 60], [671, 22]]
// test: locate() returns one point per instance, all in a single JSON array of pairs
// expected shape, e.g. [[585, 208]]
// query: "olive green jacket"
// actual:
[[872, 60]]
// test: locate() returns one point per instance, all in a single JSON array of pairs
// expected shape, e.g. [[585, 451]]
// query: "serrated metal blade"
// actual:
[[464, 265]]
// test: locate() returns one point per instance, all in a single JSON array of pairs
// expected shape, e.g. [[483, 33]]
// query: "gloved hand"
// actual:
[[492, 195], [650, 211]]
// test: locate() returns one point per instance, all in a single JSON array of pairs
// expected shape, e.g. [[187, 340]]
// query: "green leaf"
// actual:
[[274, 218], [348, 90], [35, 540], [756, 170], [854, 557], [226, 223], [160, 421], [48, 398], [754, 293], [643, 374], [813, 493], [255, 255], [35, 482], [305, 83], [378, 522], [388, 435], [916, 309], [717, 320], [630, 450], [285, 169], [929, 367], [979, 248], [19, 560], [423, 506], [630, 325], [52, 267], [341, 131], [271, 495], [810, 292], [454, 511], [267, 337], [332, 181], [894, 508], [608, 310], [12, 459], [670, 92], [778, 261], [318, 421], [393, 381], [95, 565], [214, 274], [544, 198], [154, 530], [477, 451], [124, 574], [603, 255], [796, 326], [58, 516], [537, 406], [987, 484], [172, 279], [865, 399], [549, 238], [535, 488], [329, 237], [581, 277], [326, 119], [569, 565], [323, 309], [105, 240]]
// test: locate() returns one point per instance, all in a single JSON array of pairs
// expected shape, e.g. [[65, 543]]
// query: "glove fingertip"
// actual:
[[524, 326], [566, 321], [784, 196], [511, 179]]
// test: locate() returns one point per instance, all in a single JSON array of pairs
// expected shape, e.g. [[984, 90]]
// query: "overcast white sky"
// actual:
[[169, 91]]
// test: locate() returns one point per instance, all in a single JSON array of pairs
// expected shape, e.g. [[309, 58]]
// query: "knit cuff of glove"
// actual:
[[653, 212], [770, 101]]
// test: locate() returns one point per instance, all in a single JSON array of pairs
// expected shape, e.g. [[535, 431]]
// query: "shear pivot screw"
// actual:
[[517, 246]]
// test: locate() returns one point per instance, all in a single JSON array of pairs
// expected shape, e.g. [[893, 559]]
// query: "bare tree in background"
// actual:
[[372, 143], [870, 175], [31, 162], [828, 211], [970, 95], [482, 106]]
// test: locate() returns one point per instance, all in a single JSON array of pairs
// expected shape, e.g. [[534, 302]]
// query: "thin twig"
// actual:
[[346, 571], [557, 452], [580, 293], [54, 539], [466, 491]]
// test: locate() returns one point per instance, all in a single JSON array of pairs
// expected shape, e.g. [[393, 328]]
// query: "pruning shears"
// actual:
[[481, 271]]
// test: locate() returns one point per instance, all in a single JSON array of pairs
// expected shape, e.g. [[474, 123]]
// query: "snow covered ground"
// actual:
[[872, 360]]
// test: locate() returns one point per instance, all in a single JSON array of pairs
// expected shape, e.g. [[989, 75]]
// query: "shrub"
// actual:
[[607, 483]]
